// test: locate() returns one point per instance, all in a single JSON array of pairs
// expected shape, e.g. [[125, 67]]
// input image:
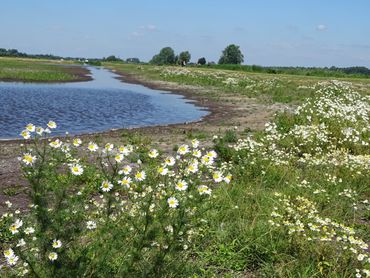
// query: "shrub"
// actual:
[[107, 210]]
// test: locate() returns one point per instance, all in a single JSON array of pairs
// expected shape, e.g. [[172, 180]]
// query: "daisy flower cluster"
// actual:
[[302, 219], [155, 203], [221, 78], [331, 129], [326, 140]]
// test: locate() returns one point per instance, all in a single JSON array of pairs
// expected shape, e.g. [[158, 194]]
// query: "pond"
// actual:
[[102, 104]]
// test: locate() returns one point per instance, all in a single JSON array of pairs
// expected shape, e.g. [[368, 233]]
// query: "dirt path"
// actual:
[[227, 112]]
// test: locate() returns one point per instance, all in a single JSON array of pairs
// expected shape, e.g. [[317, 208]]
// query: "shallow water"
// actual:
[[99, 105]]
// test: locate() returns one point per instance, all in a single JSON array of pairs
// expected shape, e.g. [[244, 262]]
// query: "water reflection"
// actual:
[[97, 105]]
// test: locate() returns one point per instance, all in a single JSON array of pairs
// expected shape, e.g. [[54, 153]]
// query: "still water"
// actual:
[[99, 105]]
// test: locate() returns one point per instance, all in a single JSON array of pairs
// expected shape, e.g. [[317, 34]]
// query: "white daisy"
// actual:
[[92, 147], [126, 181], [170, 161], [183, 149], [162, 171], [197, 153], [91, 225], [204, 189], [108, 147], [76, 169], [125, 150], [125, 170], [30, 127], [195, 143], [25, 134], [118, 157], [28, 159], [217, 176], [153, 153], [77, 142], [52, 125], [140, 176], [12, 260], [106, 186], [172, 202], [181, 185], [39, 130], [56, 243], [53, 256], [55, 144], [15, 226], [8, 253]]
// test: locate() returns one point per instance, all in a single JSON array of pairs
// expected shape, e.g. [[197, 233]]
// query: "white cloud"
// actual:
[[149, 27], [143, 30], [135, 34], [321, 27]]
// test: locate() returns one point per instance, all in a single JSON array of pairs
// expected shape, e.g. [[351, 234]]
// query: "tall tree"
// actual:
[[112, 58], [184, 57], [202, 61], [165, 57], [231, 55]]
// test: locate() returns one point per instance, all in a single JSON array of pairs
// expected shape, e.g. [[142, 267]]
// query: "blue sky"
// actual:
[[284, 33]]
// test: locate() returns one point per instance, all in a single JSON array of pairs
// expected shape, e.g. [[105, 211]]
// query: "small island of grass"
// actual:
[[41, 70]]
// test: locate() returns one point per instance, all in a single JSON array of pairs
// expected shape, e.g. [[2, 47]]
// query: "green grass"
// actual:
[[353, 72], [34, 70], [281, 88]]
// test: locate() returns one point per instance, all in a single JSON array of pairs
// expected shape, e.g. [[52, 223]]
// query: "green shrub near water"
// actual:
[[121, 211]]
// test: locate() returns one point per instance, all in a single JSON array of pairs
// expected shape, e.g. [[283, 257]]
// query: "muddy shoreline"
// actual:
[[215, 109]]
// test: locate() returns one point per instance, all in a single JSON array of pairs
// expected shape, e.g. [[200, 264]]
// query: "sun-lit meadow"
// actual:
[[292, 200], [273, 88], [35, 70]]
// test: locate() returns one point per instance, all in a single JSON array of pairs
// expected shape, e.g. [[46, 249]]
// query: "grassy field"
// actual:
[[280, 88], [287, 199], [354, 72], [38, 70]]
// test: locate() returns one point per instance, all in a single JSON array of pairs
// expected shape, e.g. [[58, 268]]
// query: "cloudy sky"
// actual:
[[269, 32]]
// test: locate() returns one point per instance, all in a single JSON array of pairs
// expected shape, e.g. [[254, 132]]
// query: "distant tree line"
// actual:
[[231, 58], [112, 58], [230, 55], [15, 53]]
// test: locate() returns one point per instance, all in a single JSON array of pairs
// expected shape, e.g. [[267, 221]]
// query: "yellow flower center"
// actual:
[[28, 158]]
